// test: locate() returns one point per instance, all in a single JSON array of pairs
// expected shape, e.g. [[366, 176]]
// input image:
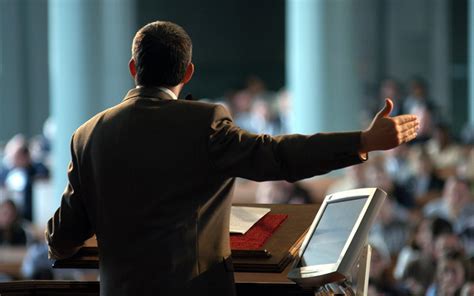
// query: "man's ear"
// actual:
[[132, 68], [189, 73]]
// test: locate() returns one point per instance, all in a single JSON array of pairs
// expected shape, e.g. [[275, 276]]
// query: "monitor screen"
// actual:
[[333, 230]]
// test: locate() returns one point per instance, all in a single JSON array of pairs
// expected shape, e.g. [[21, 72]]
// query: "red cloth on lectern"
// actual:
[[258, 234]]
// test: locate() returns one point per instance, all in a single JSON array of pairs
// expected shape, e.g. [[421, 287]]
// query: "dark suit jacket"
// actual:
[[152, 177]]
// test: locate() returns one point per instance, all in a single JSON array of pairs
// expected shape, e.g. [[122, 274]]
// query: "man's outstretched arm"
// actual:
[[237, 153]]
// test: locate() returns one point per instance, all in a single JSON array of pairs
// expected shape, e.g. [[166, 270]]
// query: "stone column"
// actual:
[[320, 65], [89, 49]]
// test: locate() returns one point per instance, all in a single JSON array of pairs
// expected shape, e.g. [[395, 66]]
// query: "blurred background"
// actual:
[[280, 66]]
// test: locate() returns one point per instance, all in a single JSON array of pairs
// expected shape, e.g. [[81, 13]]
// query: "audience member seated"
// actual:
[[445, 153], [417, 263], [464, 227], [259, 119], [377, 176], [282, 116], [420, 243], [455, 201], [36, 265], [391, 226], [397, 165], [424, 183], [417, 102], [452, 271], [241, 102], [447, 243], [18, 172], [11, 231], [381, 281], [389, 88], [40, 145]]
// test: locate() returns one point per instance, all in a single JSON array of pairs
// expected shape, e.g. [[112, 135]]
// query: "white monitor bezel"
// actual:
[[318, 274]]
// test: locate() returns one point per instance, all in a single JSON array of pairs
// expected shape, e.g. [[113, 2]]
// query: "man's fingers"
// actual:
[[401, 119], [410, 137], [387, 109], [409, 125], [407, 136]]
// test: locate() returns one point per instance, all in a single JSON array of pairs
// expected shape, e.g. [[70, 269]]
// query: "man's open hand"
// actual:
[[387, 132]]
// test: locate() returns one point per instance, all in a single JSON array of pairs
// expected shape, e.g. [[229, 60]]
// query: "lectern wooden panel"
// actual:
[[264, 275]]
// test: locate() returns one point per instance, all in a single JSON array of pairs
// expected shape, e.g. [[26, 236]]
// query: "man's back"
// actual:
[[159, 212]]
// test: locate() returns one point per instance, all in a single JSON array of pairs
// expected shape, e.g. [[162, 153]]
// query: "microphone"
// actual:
[[189, 97]]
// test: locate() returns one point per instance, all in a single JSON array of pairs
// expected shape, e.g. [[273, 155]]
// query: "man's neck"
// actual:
[[173, 91], [170, 92]]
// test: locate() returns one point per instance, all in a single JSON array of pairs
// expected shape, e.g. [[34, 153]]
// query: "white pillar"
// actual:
[[89, 49], [320, 65]]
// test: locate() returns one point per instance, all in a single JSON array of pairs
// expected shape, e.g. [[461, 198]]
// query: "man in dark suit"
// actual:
[[152, 177]]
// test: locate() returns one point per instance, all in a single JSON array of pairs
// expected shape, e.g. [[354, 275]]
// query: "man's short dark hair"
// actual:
[[161, 51]]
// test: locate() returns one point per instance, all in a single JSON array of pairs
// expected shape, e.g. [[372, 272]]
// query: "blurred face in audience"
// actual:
[[424, 238], [456, 194], [450, 275], [260, 108], [21, 158], [242, 102], [7, 214], [389, 89], [418, 89], [446, 243]]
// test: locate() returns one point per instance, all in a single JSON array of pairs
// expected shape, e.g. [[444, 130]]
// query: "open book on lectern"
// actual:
[[336, 237]]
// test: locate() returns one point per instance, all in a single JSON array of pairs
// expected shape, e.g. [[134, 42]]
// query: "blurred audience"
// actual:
[[381, 281], [36, 265], [18, 172], [422, 240], [455, 202], [391, 226], [11, 230], [446, 155], [417, 102], [417, 271], [390, 88], [282, 192], [452, 271]]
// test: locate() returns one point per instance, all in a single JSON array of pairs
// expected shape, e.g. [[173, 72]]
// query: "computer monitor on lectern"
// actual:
[[336, 236]]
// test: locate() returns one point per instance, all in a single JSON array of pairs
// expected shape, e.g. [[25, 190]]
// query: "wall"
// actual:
[[24, 90], [232, 39]]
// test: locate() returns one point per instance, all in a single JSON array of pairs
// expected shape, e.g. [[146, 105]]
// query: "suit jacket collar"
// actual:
[[147, 92]]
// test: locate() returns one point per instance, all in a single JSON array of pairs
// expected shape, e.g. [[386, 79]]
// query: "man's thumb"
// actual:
[[387, 109]]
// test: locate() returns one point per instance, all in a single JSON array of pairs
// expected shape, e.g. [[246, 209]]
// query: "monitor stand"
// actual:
[[361, 271]]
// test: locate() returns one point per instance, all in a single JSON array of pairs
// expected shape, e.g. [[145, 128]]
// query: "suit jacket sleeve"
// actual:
[[69, 227], [238, 153]]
